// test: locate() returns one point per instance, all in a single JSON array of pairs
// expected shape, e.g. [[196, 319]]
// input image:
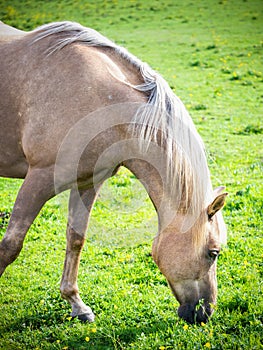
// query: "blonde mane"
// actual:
[[188, 173]]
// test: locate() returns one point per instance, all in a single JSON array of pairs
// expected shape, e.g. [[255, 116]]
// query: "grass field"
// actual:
[[210, 52]]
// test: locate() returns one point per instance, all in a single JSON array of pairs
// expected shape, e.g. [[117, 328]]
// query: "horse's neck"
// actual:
[[154, 181]]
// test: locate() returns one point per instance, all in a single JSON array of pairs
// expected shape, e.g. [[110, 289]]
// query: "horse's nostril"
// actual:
[[187, 313]]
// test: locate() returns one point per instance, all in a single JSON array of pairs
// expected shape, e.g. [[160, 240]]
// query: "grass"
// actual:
[[210, 52]]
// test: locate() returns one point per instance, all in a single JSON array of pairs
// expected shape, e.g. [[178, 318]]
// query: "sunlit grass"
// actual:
[[211, 55]]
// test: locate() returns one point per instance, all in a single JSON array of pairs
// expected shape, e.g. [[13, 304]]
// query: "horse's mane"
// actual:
[[186, 159]]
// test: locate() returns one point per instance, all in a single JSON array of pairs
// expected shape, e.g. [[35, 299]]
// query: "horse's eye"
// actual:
[[213, 253]]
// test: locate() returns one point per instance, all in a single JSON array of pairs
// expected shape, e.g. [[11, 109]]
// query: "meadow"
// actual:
[[210, 52]]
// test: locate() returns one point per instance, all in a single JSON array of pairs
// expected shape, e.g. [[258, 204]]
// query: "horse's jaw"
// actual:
[[197, 298], [191, 278]]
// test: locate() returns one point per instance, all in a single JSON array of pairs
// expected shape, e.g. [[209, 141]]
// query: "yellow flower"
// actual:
[[87, 339], [93, 330], [162, 348], [207, 345], [185, 327], [202, 324]]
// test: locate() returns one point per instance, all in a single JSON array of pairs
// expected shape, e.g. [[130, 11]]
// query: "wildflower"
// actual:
[[65, 348], [207, 345], [162, 347], [69, 318], [93, 330], [185, 327], [213, 306], [87, 339], [202, 324]]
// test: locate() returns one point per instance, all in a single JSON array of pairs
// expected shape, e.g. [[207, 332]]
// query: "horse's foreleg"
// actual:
[[80, 205], [36, 189]]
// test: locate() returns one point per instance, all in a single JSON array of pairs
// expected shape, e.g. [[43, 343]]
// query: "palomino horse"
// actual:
[[75, 107]]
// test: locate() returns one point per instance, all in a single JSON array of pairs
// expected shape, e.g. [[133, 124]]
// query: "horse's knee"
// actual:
[[77, 244], [75, 240]]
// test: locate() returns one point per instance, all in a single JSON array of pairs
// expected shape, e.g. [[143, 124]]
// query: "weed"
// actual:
[[250, 129]]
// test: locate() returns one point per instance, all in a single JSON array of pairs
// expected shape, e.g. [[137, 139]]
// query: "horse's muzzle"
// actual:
[[191, 314]]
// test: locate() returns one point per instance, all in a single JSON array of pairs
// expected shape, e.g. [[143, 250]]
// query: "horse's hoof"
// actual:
[[87, 317]]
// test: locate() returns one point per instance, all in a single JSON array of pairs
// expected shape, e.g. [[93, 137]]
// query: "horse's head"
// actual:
[[191, 270]]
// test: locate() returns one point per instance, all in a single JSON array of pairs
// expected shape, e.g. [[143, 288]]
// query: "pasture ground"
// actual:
[[210, 52]]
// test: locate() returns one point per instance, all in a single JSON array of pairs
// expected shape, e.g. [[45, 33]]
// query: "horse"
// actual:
[[75, 107]]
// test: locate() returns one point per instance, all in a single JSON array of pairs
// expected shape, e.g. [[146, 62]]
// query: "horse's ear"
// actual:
[[216, 205]]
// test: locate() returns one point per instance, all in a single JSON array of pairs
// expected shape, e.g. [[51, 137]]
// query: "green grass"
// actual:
[[210, 52]]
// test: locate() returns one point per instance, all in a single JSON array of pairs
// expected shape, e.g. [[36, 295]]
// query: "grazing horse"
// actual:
[[74, 107]]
